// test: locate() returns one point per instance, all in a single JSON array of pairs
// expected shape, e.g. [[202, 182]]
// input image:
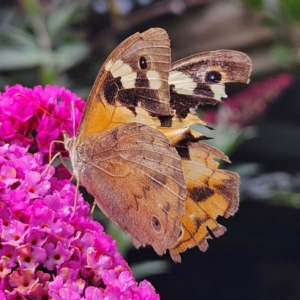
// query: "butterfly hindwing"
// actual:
[[211, 192], [140, 184]]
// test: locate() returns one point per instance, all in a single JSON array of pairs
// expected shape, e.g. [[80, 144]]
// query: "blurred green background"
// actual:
[[65, 43]]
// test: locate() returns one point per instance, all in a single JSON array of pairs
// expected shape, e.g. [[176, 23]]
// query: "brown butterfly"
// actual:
[[135, 152]]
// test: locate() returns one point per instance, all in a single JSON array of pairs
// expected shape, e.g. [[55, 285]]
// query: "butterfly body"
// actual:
[[135, 152]]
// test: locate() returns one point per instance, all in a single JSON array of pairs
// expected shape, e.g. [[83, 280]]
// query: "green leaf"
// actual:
[[32, 7], [254, 4], [246, 170], [123, 240], [16, 36], [67, 56], [49, 76], [11, 59], [148, 268], [60, 18], [292, 9], [284, 54], [290, 199], [226, 137]]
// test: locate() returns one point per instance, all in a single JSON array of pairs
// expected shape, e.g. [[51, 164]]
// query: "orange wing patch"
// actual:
[[210, 193]]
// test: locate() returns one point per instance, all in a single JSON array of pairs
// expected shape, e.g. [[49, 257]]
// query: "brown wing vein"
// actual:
[[169, 215], [143, 150], [163, 184]]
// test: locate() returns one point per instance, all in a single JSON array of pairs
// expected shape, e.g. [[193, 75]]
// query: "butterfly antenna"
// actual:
[[42, 109]]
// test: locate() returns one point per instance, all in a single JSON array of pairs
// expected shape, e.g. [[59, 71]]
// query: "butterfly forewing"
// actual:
[[199, 79], [134, 75]]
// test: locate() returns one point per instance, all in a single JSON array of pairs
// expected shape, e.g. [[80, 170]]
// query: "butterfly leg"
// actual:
[[93, 208]]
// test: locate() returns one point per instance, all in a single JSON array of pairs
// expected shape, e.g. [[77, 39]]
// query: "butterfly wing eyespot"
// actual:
[[143, 63], [213, 77], [156, 223]]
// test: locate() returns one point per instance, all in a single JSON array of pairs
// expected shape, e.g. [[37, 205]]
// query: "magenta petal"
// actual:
[[5, 268], [146, 292], [112, 293], [30, 257], [35, 236], [44, 139], [56, 255], [6, 129], [93, 293], [23, 280]]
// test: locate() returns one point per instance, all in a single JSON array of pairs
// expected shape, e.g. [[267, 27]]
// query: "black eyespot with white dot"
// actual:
[[156, 224], [213, 77], [143, 63]]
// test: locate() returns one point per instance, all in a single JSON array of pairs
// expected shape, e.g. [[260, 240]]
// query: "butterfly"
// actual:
[[137, 154]]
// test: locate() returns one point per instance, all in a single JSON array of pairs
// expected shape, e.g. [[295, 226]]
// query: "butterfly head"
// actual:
[[69, 142]]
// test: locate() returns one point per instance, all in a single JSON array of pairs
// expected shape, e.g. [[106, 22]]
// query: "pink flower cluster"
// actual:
[[48, 250], [36, 117], [251, 103]]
